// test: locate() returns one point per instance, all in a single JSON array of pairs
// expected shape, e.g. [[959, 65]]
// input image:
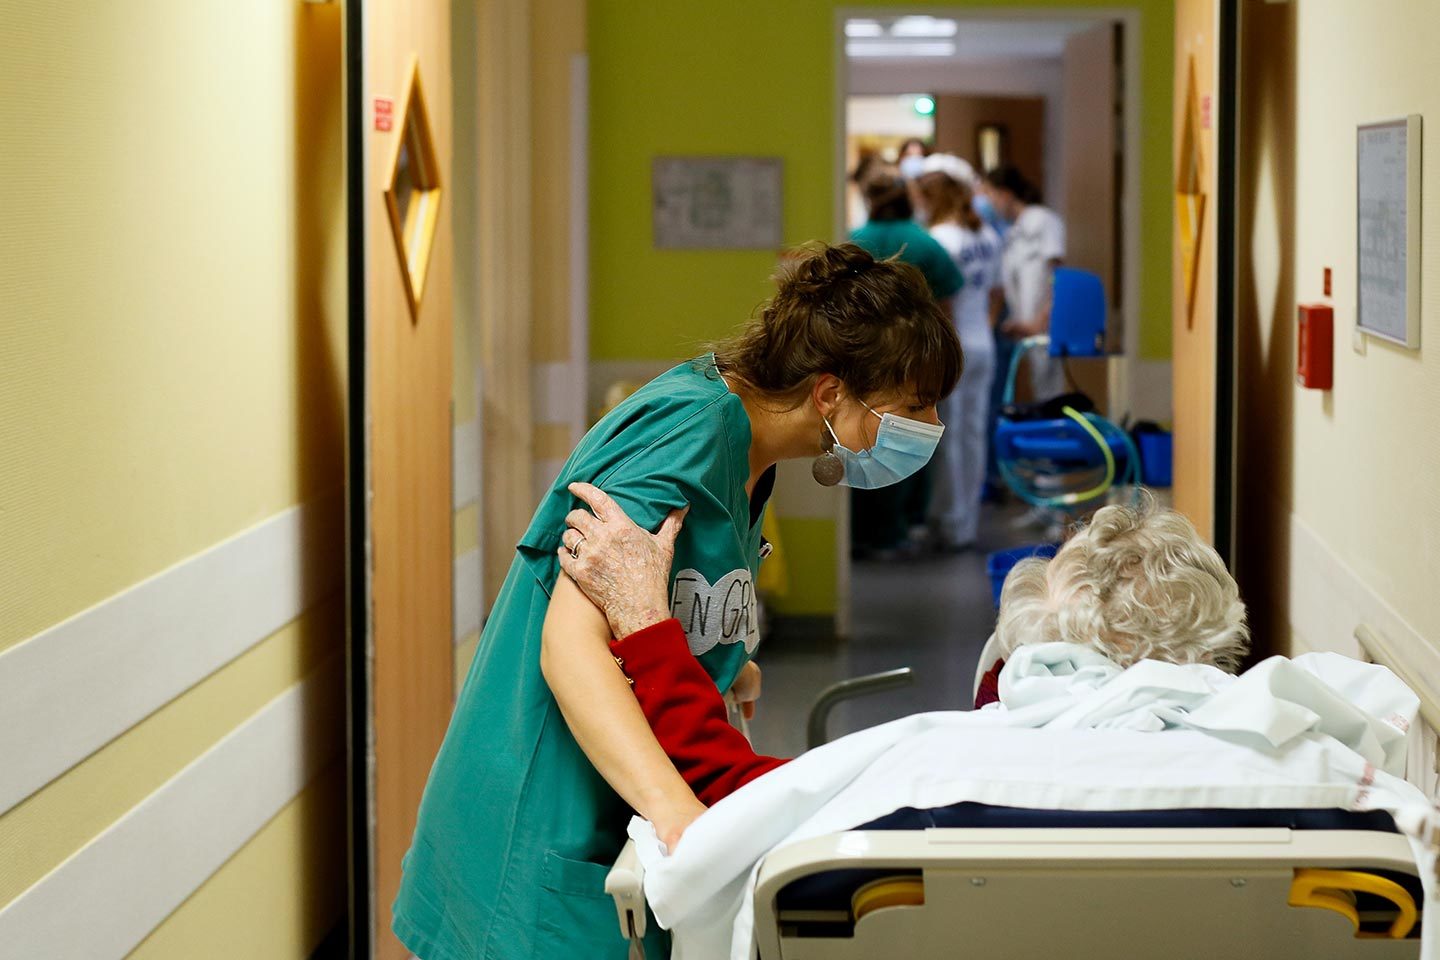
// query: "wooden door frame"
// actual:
[[505, 357], [359, 812], [1227, 249]]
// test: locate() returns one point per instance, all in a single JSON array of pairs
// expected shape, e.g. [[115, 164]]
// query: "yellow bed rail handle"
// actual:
[[1335, 890], [888, 892]]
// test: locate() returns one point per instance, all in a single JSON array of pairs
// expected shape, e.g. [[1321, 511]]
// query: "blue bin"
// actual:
[[1157, 452], [999, 564]]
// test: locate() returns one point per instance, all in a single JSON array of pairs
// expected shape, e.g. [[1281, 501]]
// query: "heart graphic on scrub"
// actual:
[[722, 612]]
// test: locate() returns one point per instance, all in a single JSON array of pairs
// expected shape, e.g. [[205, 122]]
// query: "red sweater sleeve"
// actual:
[[989, 691], [687, 713]]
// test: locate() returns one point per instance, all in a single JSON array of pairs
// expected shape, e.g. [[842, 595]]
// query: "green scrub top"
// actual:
[[886, 238], [516, 830]]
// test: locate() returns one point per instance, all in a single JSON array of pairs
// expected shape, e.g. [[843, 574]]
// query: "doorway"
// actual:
[[1052, 93]]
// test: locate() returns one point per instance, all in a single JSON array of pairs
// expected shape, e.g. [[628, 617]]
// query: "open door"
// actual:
[[1204, 266], [400, 661]]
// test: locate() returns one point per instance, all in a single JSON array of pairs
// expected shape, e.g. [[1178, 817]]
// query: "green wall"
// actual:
[[757, 77]]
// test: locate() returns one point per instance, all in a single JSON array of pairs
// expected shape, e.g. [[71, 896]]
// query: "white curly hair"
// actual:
[[1134, 584]]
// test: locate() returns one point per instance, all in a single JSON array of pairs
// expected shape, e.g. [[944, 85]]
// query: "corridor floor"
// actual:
[[932, 615]]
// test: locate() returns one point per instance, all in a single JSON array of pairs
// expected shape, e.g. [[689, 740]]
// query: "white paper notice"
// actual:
[[1382, 161]]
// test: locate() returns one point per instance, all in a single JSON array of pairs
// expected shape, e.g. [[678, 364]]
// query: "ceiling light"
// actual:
[[863, 28], [923, 26], [932, 48]]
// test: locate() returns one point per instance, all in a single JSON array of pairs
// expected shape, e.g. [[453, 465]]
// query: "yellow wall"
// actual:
[[758, 77], [171, 363], [1357, 465]]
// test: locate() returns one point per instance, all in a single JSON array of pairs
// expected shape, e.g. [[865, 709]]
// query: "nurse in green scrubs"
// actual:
[[548, 754]]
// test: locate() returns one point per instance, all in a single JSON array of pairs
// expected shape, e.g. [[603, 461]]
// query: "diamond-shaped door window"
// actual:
[[413, 196], [1190, 196]]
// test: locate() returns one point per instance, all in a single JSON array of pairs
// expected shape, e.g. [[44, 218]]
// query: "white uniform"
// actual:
[[1037, 237], [955, 505]]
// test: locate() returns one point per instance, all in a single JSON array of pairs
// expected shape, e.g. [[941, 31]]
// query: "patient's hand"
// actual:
[[623, 569], [746, 689]]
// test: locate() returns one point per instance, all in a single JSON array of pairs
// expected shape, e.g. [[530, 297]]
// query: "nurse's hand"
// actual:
[[622, 568], [669, 827]]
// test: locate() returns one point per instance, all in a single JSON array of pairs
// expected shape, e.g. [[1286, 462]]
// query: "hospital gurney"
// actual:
[[1004, 882], [1019, 884]]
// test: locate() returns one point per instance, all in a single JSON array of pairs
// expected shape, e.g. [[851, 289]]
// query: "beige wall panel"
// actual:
[[503, 49], [258, 904], [1194, 324], [172, 358], [173, 269], [557, 33]]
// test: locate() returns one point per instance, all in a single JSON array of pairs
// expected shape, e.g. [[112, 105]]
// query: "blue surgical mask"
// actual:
[[902, 447], [912, 166], [987, 212]]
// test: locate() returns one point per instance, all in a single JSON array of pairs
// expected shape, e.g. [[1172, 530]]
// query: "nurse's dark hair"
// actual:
[[886, 196], [838, 310], [1008, 177]]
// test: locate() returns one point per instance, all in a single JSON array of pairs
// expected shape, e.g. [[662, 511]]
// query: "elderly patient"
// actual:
[[1134, 584]]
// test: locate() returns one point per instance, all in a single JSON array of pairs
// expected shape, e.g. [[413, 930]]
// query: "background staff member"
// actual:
[[944, 205], [1034, 247], [882, 520]]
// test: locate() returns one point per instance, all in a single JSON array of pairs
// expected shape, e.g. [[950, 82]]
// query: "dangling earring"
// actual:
[[827, 468]]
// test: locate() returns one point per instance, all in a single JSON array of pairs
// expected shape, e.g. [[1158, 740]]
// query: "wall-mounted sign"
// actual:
[[1387, 229], [717, 202]]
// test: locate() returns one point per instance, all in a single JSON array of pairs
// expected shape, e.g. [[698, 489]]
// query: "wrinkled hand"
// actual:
[[623, 569], [746, 689]]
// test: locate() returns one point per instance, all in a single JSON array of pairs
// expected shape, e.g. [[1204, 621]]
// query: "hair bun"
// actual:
[[815, 273]]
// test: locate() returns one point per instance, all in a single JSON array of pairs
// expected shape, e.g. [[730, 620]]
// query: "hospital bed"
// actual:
[[992, 882]]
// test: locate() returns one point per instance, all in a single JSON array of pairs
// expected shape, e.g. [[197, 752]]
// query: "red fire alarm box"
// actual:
[[1315, 346]]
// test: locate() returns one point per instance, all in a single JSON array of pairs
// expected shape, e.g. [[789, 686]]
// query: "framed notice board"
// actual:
[[717, 202], [1387, 234]]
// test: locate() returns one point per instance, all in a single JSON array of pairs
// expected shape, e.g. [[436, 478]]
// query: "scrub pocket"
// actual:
[[577, 917]]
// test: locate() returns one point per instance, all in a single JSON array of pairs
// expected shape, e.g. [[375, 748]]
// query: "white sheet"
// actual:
[[1072, 731]]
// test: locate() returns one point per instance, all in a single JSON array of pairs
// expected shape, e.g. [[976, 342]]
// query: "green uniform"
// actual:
[[886, 238], [516, 829]]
